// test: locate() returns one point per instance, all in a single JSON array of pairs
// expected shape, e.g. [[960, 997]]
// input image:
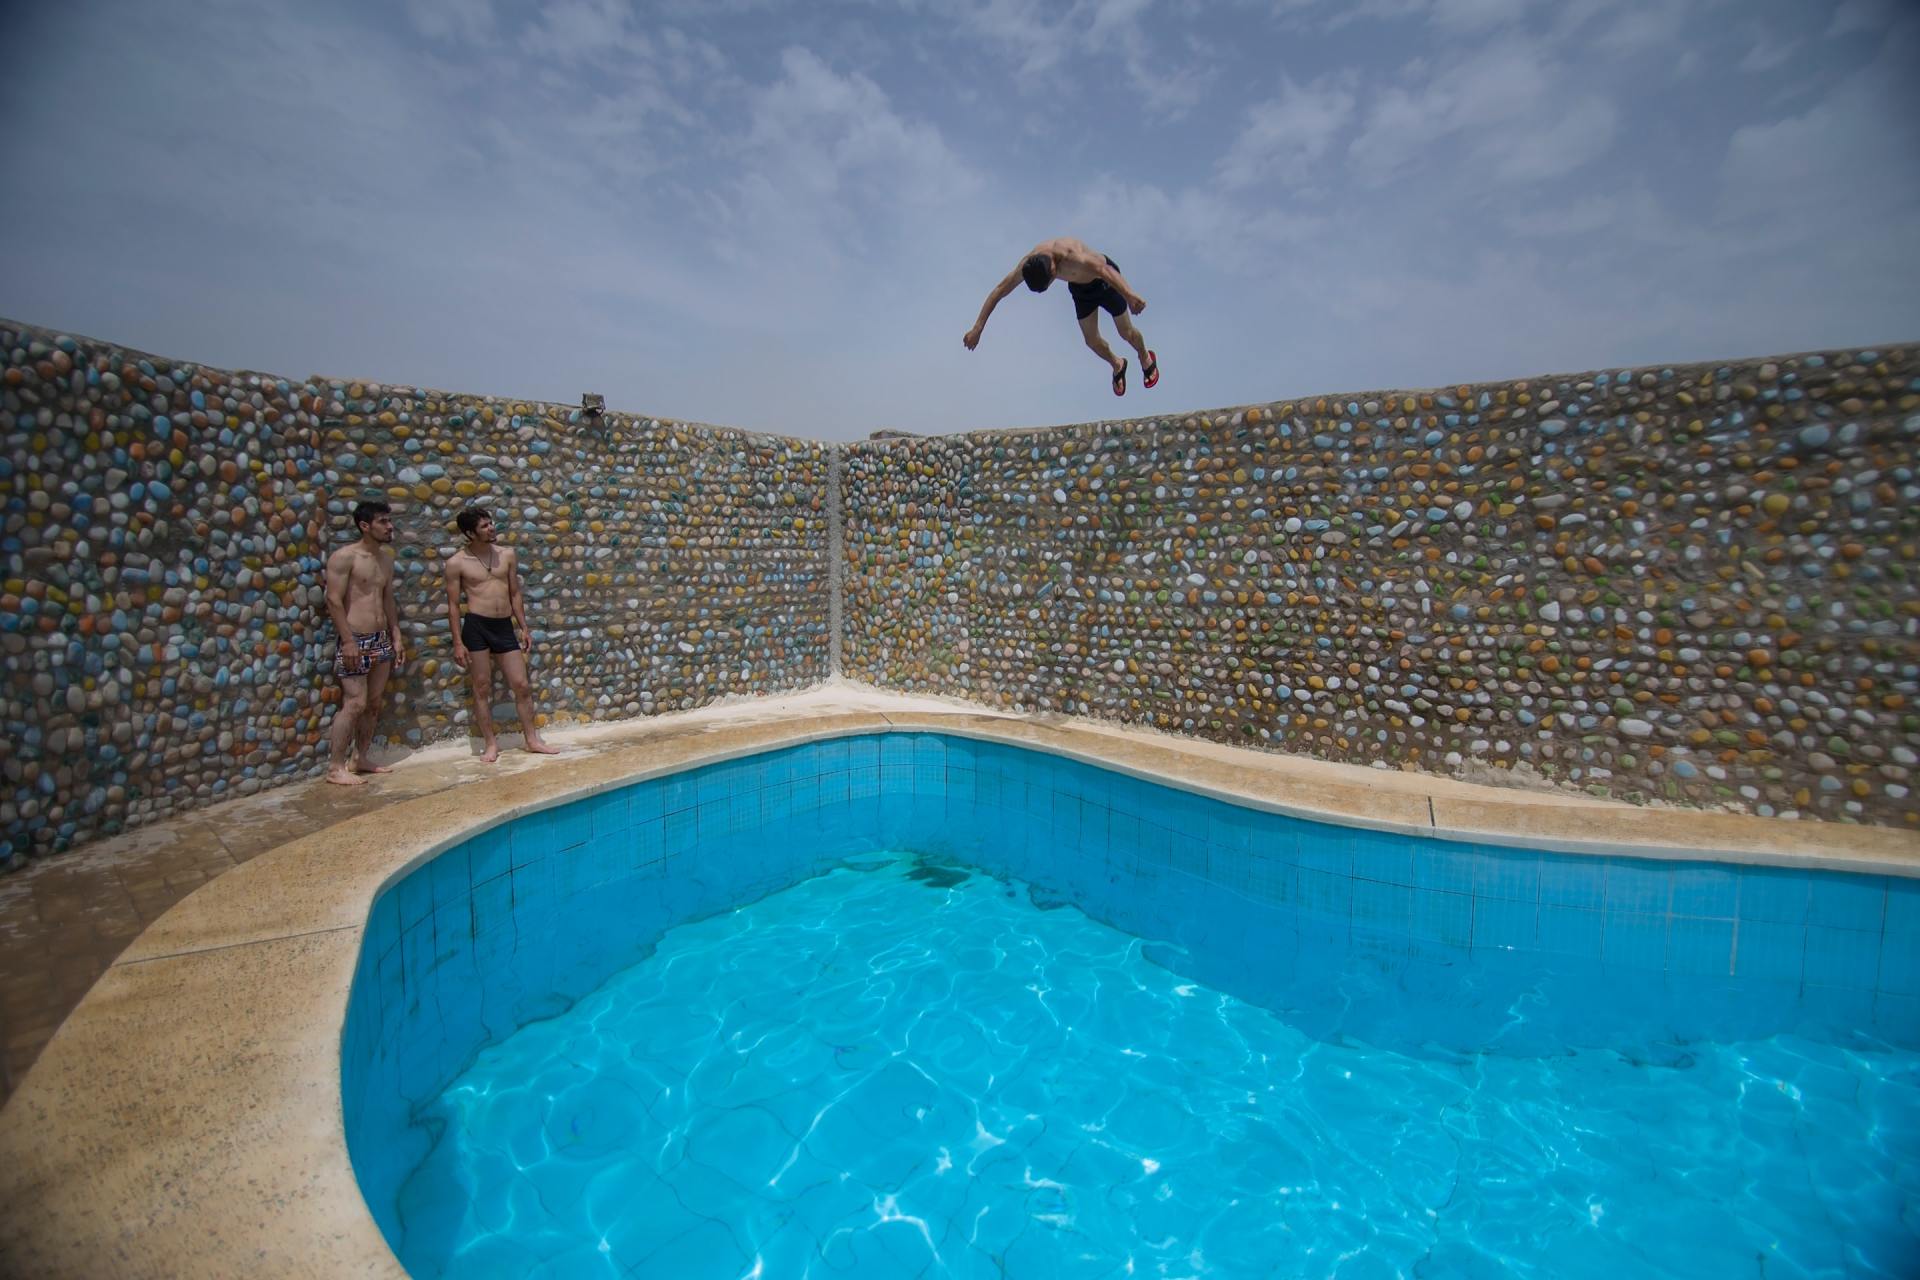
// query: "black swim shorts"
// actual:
[[1100, 293], [495, 635]]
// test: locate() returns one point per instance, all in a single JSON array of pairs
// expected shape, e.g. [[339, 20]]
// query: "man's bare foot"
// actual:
[[491, 754], [342, 777], [368, 766], [540, 748]]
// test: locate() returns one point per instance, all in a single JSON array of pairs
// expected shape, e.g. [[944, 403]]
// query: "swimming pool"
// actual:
[[1400, 946]]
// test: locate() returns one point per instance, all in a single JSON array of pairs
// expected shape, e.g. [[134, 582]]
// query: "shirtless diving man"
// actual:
[[365, 617], [1095, 282], [495, 631]]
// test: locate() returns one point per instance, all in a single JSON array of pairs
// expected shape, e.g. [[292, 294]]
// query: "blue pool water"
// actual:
[[1359, 1052], [912, 1069]]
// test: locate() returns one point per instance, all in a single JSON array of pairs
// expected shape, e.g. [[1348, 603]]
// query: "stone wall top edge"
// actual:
[[1675, 369], [325, 379]]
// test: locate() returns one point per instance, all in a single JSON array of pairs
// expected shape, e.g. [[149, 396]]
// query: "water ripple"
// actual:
[[908, 1070]]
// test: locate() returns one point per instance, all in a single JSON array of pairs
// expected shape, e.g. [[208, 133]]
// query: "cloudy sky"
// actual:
[[784, 216]]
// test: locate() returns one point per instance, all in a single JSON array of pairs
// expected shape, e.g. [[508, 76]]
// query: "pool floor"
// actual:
[[908, 1069]]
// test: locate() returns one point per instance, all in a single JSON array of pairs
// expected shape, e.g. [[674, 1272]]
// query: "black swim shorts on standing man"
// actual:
[[495, 635], [1099, 293]]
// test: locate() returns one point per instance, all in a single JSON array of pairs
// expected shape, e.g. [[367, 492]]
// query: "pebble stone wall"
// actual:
[[1693, 584], [162, 620]]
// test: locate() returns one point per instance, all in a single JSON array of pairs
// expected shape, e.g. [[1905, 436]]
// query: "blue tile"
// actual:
[[1897, 1017], [609, 812], [1186, 853], [1231, 829], [1902, 925], [646, 799], [1842, 901], [1279, 838], [1635, 885], [567, 825], [451, 877], [383, 923], [1571, 931], [1848, 958], [1443, 917], [680, 832], [714, 817], [864, 753], [492, 906], [1770, 949], [1326, 893], [1774, 894], [416, 897], [1899, 964], [1272, 880], [1509, 874], [680, 791], [1443, 865], [1699, 945], [1504, 924], [1327, 848], [489, 854], [1706, 889], [1383, 907], [1386, 856], [1634, 939], [1573, 881], [716, 782], [896, 750]]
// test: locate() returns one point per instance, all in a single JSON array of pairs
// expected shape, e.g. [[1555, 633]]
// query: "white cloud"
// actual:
[[1860, 15], [1766, 53], [470, 20], [1509, 106], [605, 31], [826, 133], [1042, 38], [1299, 125]]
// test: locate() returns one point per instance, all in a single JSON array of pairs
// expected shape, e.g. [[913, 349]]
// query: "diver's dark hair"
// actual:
[[1037, 271], [470, 519], [366, 511]]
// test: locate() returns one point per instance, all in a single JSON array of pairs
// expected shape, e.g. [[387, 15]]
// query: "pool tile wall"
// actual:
[[1390, 936], [161, 615], [1688, 583]]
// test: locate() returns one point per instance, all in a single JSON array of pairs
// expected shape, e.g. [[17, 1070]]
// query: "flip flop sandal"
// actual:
[[1151, 367], [1120, 380]]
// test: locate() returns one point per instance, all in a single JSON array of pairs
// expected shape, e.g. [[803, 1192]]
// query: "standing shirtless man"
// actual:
[[365, 617], [1095, 283], [490, 575]]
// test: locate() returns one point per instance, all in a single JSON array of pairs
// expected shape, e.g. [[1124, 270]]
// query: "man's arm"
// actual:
[[339, 578], [393, 615], [1111, 274], [1000, 291], [453, 613], [515, 602]]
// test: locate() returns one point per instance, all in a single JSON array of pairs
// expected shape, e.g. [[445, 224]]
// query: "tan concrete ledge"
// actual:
[[186, 1119]]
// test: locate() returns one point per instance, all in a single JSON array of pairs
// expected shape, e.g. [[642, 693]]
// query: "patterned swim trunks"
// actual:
[[375, 646]]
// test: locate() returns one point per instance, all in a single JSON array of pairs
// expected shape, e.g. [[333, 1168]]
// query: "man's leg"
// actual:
[[376, 699], [480, 668], [514, 667], [1090, 330], [1124, 323], [346, 723]]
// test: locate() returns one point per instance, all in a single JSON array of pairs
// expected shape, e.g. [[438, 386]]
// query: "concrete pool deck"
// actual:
[[185, 1119]]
